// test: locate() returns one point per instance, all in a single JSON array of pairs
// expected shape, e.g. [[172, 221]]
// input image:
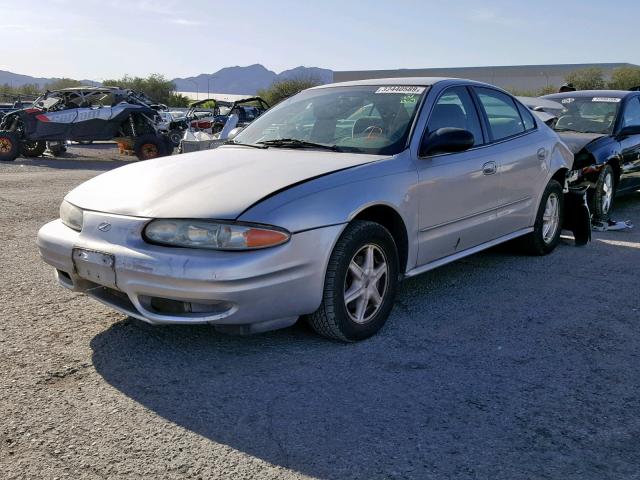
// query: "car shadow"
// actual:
[[468, 378]]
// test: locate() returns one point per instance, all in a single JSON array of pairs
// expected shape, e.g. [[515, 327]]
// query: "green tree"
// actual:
[[587, 79], [624, 78], [178, 100], [155, 86], [31, 89], [283, 89], [63, 83]]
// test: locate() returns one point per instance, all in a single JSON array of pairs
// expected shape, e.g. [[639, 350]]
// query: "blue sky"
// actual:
[[100, 39]]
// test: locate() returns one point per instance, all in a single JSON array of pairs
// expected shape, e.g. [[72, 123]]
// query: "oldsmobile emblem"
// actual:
[[104, 227]]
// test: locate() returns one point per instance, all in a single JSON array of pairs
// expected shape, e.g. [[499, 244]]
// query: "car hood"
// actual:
[[220, 183], [577, 141]]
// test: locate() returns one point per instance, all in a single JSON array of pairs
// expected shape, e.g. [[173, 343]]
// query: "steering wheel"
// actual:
[[372, 132]]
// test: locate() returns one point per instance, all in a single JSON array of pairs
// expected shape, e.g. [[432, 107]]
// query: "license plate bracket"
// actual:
[[97, 267]]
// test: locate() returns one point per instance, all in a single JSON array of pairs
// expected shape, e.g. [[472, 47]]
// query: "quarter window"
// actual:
[[527, 117], [631, 117], [502, 113], [455, 109]]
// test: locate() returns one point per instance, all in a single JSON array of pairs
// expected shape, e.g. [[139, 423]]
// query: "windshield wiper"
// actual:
[[252, 145], [295, 143]]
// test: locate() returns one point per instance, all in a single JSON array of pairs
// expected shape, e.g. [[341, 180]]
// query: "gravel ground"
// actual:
[[499, 366]]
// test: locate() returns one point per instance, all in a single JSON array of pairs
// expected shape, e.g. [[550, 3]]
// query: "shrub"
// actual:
[[283, 89]]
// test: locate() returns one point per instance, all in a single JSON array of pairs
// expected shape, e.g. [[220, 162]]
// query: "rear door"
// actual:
[[458, 192], [630, 147], [520, 154]]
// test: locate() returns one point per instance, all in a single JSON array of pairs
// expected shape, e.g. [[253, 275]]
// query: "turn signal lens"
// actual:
[[213, 235], [259, 238]]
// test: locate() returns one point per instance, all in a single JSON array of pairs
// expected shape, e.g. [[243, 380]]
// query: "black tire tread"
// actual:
[[323, 319], [532, 243]]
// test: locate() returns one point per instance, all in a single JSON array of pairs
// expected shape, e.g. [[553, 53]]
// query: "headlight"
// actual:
[[71, 215], [214, 235]]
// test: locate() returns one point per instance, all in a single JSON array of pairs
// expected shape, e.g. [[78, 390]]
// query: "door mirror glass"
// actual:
[[446, 140]]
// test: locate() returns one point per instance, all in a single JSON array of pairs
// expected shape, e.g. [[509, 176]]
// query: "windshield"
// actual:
[[587, 114], [360, 119]]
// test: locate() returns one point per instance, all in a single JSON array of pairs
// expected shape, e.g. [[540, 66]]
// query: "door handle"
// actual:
[[542, 154], [489, 168]]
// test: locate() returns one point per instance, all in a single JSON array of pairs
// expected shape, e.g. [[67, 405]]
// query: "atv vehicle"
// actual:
[[83, 114], [247, 109], [210, 115]]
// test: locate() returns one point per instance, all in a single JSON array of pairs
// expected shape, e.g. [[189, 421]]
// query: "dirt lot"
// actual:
[[496, 367]]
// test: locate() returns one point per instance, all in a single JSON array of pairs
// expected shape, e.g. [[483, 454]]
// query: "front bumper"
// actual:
[[163, 285]]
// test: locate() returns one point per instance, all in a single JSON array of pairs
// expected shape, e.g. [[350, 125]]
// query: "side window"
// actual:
[[502, 113], [631, 117], [527, 117], [455, 109]]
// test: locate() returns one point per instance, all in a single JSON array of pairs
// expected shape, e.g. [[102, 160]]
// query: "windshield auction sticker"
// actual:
[[606, 99], [401, 89]]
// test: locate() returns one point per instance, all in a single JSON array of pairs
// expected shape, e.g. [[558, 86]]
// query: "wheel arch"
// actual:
[[391, 219], [614, 163]]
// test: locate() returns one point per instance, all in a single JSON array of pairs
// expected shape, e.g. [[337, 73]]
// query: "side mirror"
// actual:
[[630, 130], [446, 140]]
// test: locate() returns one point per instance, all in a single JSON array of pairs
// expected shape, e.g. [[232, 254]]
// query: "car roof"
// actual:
[[592, 93], [413, 81]]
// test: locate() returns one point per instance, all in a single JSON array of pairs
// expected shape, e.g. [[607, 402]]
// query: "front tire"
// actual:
[[360, 284], [9, 146], [548, 226], [603, 195]]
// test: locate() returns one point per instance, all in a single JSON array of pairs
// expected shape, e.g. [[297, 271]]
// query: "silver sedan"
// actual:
[[317, 209]]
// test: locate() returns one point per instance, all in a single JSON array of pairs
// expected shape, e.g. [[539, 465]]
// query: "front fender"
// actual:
[[337, 198]]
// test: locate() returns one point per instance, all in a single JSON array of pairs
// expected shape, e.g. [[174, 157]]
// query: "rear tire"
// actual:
[[360, 284], [33, 149], [9, 146], [549, 219], [604, 193], [149, 146], [57, 149]]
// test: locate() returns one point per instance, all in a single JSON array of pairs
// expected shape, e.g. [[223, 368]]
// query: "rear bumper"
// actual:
[[178, 285]]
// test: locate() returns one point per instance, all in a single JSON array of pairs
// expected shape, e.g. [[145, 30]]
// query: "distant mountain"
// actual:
[[247, 80], [232, 80], [17, 80]]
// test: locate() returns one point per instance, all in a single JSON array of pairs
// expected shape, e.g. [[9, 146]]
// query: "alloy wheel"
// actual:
[[5, 145], [607, 190], [551, 218], [366, 283], [149, 150]]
